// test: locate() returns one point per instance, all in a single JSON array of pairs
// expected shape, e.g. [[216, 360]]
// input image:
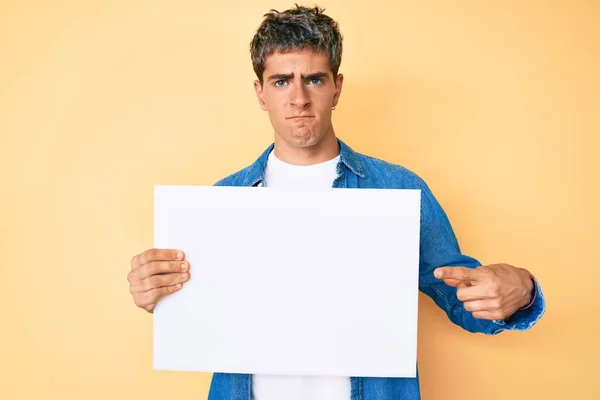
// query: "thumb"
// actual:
[[456, 283]]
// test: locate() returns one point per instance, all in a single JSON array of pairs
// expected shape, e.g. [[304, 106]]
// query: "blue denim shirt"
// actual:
[[438, 247]]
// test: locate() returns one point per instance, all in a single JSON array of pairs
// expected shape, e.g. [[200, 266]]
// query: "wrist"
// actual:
[[530, 295]]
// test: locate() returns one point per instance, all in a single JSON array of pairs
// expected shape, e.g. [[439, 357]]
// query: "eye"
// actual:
[[315, 81], [280, 83]]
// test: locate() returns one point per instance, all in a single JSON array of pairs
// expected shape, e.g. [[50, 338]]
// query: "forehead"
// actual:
[[306, 60]]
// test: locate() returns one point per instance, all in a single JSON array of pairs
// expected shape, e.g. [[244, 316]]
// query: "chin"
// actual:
[[304, 141]]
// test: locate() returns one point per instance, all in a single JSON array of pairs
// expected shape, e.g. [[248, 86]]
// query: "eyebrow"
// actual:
[[283, 77]]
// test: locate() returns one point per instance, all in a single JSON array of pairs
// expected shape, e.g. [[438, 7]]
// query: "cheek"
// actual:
[[276, 103], [324, 102]]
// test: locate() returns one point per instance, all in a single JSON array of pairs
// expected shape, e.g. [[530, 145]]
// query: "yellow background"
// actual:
[[494, 104]]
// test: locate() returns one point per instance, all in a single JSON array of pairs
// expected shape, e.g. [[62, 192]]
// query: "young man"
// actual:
[[296, 55]]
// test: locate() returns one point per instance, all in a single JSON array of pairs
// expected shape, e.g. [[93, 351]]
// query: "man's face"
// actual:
[[299, 91]]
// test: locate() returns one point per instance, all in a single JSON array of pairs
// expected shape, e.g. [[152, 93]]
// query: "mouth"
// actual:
[[300, 116]]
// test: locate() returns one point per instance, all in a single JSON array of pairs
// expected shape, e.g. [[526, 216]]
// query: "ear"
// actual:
[[339, 82], [258, 88]]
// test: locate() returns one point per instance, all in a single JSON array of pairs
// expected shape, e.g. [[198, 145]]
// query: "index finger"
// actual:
[[457, 273], [151, 255]]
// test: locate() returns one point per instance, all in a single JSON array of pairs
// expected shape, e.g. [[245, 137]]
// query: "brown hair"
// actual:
[[295, 29]]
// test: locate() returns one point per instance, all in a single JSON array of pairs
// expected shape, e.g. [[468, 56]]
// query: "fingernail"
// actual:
[[178, 286], [185, 266], [437, 273], [179, 255], [185, 275]]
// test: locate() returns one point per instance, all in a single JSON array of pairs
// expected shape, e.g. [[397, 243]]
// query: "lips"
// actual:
[[300, 116]]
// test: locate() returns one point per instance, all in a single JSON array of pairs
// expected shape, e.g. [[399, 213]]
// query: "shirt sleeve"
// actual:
[[438, 248]]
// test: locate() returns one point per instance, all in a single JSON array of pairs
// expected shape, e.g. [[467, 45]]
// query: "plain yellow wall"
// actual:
[[494, 104]]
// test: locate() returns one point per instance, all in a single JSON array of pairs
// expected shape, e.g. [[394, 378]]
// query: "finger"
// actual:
[[151, 255], [476, 306], [154, 295], [473, 292], [457, 273], [490, 315], [162, 267], [158, 281]]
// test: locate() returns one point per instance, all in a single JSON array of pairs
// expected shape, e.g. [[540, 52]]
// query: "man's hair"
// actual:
[[296, 29]]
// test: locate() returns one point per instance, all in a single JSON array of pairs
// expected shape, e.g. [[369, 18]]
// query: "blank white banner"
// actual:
[[317, 282]]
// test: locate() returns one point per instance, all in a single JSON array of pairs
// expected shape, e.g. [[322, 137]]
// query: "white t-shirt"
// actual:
[[278, 387]]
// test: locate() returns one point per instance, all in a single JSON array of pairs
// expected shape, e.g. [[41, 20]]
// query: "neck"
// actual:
[[327, 149]]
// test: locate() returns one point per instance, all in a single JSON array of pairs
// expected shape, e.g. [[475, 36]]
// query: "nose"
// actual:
[[299, 97]]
